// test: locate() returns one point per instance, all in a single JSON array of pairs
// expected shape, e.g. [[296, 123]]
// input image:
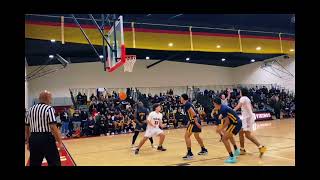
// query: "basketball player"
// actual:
[[194, 126], [248, 118], [154, 121], [231, 126], [141, 124]]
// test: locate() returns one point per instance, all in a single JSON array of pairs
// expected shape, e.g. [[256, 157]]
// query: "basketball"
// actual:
[[122, 95]]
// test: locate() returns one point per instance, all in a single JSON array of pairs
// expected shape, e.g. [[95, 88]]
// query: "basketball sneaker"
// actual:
[[237, 152], [203, 152], [136, 151], [188, 156], [160, 148], [231, 159], [243, 152], [262, 150]]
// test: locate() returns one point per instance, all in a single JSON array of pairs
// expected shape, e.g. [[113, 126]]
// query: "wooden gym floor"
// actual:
[[277, 135]]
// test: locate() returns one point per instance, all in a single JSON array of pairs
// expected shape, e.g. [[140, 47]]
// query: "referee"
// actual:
[[41, 142]]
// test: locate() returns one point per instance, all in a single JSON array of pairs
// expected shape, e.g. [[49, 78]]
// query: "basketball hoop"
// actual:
[[130, 60]]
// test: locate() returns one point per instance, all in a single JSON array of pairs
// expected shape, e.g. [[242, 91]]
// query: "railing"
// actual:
[[57, 101], [177, 90]]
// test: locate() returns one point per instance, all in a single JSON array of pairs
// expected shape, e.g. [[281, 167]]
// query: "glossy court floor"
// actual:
[[277, 135]]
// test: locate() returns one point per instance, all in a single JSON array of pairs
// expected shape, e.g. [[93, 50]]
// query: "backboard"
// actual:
[[116, 54]]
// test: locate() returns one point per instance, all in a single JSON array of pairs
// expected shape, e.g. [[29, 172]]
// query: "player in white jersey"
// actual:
[[248, 120], [154, 121]]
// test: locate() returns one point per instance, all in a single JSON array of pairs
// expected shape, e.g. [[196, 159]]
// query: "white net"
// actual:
[[130, 60]]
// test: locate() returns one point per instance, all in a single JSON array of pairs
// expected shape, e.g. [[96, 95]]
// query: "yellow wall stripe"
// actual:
[[160, 40]]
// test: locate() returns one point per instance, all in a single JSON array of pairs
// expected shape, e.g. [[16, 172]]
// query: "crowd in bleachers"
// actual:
[[106, 114], [270, 100]]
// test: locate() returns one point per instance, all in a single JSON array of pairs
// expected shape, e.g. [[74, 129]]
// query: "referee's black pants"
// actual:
[[43, 145]]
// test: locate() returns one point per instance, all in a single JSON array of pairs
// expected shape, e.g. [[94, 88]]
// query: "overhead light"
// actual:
[[51, 56], [252, 60], [187, 59], [170, 44], [258, 48], [218, 46], [53, 40], [100, 56], [147, 57], [291, 50], [223, 59]]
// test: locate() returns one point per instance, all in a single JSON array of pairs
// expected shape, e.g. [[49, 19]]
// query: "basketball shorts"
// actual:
[[248, 123], [192, 128], [150, 132], [234, 129]]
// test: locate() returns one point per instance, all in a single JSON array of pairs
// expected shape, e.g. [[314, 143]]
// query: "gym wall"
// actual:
[[165, 74]]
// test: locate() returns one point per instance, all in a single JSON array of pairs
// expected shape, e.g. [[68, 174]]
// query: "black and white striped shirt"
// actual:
[[39, 117]]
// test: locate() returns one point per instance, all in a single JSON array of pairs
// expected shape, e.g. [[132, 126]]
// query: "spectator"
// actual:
[[277, 106], [128, 124], [115, 121], [225, 100], [179, 117], [93, 98], [76, 122], [89, 128], [110, 125], [79, 98], [165, 120], [100, 122], [59, 124], [84, 99], [93, 105], [172, 120], [65, 122], [100, 106], [84, 118]]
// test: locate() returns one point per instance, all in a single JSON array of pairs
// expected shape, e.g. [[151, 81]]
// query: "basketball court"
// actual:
[[114, 53], [278, 136]]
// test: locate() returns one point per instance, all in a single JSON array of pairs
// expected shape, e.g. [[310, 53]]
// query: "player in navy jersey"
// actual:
[[194, 126], [231, 126], [141, 123]]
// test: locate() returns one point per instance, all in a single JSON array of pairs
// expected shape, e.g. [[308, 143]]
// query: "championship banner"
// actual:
[[261, 116]]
